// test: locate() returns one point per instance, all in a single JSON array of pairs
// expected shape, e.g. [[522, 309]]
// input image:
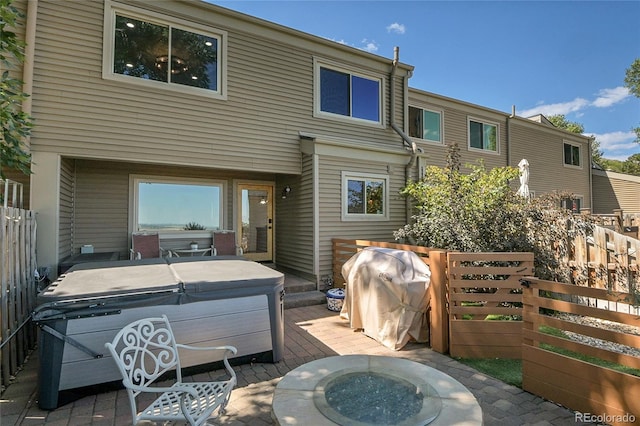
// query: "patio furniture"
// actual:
[[146, 246], [146, 349], [211, 301], [224, 244]]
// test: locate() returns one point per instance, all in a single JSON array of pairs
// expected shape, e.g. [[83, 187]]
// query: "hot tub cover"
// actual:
[[387, 295]]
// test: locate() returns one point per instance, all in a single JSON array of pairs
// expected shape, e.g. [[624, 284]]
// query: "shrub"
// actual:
[[481, 211]]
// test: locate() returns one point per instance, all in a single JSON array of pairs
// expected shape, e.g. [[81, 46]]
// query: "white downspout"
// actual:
[[408, 143]]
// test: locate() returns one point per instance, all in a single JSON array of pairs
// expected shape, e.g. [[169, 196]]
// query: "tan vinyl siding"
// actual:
[[330, 190], [615, 191], [543, 148], [66, 209], [294, 221], [455, 131], [270, 98], [102, 199]]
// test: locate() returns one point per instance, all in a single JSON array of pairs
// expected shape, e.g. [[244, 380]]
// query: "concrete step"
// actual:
[[295, 284], [305, 298]]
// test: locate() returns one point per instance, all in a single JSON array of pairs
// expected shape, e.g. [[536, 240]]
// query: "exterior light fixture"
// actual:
[[286, 191]]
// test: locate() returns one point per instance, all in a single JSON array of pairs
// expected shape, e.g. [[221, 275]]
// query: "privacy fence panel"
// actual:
[[18, 288], [566, 343], [485, 303]]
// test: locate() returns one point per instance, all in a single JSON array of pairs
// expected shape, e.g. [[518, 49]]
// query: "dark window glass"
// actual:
[[364, 99], [475, 134], [142, 50], [334, 92], [355, 200], [415, 122]]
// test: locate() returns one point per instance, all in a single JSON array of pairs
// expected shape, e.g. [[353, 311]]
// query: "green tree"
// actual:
[[632, 82], [632, 165], [560, 121], [16, 124]]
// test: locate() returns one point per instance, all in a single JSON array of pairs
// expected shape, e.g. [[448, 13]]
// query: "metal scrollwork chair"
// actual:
[[146, 349]]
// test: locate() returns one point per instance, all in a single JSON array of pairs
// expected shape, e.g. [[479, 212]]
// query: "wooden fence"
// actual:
[[578, 384], [619, 221], [343, 249], [18, 289], [605, 259], [485, 303]]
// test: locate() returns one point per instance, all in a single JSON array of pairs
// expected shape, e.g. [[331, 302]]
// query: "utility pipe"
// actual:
[[408, 143]]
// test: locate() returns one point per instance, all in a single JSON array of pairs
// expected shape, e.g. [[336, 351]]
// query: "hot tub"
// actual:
[[209, 301]]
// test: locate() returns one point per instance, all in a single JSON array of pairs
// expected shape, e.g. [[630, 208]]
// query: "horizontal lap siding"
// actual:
[[66, 219], [330, 191], [294, 222], [615, 192], [544, 150], [270, 99]]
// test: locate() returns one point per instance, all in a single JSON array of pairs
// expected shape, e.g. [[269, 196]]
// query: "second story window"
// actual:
[[149, 51], [425, 124], [572, 155], [483, 136], [344, 94]]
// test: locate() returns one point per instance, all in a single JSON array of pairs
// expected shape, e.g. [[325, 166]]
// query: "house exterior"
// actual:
[[613, 191], [154, 114]]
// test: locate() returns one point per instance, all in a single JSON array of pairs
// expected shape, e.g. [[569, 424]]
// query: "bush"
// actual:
[[481, 211]]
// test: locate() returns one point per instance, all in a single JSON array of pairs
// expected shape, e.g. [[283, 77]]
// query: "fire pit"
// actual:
[[372, 390]]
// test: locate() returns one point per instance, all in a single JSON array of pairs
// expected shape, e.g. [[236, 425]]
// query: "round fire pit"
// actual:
[[371, 390]]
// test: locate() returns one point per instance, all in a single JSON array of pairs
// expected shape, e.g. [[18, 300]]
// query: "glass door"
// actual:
[[255, 221]]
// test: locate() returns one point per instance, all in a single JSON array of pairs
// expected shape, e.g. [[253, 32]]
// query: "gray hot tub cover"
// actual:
[[387, 295]]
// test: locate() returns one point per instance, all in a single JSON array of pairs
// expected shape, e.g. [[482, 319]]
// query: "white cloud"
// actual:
[[605, 99], [369, 45], [553, 109], [608, 97], [396, 28], [616, 141]]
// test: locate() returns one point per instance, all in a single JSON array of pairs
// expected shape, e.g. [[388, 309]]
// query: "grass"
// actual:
[[510, 370]]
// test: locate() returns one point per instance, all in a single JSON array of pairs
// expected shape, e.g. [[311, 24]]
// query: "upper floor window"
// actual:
[[341, 93], [425, 124], [572, 155], [483, 136], [147, 50], [163, 205], [364, 196]]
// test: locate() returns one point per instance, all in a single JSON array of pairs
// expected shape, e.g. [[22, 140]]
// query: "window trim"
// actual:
[[576, 145], [351, 217], [108, 46], [483, 121], [434, 110], [318, 113], [134, 181]]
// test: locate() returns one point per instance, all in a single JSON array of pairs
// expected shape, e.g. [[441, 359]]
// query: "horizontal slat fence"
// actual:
[[485, 303], [577, 384], [18, 289], [344, 249]]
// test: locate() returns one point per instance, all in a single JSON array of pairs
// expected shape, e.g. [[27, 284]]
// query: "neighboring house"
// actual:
[[612, 191], [287, 138]]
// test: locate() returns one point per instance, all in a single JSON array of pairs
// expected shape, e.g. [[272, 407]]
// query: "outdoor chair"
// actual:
[[146, 246], [146, 349], [224, 244]]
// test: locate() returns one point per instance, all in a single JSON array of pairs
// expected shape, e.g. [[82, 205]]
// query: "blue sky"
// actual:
[[549, 57]]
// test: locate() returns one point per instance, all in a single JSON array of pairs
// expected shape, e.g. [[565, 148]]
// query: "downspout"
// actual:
[[590, 175], [408, 143], [508, 144], [29, 55]]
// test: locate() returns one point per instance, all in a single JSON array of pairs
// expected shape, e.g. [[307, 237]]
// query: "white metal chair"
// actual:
[[146, 349]]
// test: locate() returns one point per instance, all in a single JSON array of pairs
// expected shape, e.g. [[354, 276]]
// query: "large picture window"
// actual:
[[483, 136], [149, 51], [341, 93], [572, 155], [425, 124], [364, 197], [177, 205]]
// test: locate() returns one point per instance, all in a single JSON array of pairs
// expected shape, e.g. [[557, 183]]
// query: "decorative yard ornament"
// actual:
[[523, 165]]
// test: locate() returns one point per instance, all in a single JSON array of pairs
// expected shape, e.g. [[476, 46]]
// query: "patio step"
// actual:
[[305, 298], [301, 292]]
